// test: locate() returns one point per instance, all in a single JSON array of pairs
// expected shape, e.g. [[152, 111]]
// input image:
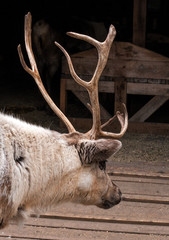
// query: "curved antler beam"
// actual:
[[33, 71], [71, 68]]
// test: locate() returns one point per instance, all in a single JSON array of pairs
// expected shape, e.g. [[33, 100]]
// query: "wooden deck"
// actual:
[[143, 214]]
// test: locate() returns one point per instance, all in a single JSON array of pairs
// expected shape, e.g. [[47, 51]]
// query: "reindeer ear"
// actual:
[[97, 150], [105, 148]]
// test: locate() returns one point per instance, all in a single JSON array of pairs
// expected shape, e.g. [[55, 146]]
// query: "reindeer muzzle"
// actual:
[[111, 198]]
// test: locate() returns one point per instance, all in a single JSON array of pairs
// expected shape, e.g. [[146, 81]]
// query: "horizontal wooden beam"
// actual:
[[104, 86], [132, 88], [123, 68], [148, 89], [149, 128], [125, 60], [134, 127]]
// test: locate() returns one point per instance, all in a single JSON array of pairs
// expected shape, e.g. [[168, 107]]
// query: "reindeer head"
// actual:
[[93, 185]]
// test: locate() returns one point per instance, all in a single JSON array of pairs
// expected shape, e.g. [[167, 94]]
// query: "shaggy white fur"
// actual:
[[40, 168]]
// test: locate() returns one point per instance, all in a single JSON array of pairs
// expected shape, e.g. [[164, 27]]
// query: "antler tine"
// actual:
[[123, 119], [33, 71], [103, 52], [71, 68], [92, 41], [103, 49]]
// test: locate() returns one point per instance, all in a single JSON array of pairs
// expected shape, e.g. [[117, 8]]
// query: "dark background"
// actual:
[[59, 14]]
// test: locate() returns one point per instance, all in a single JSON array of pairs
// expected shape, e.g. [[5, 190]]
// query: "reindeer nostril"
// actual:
[[118, 196], [119, 193], [1, 222], [118, 201]]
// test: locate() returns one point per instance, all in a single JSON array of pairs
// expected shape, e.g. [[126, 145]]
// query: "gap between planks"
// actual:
[[103, 220], [124, 213], [140, 175]]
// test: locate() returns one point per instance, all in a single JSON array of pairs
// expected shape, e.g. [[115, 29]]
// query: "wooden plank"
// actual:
[[157, 181], [134, 127], [147, 213], [139, 22], [148, 89], [63, 94], [149, 128], [148, 191], [132, 88], [141, 195], [104, 86], [125, 69], [120, 94], [101, 226], [125, 60], [128, 51], [120, 50], [149, 108], [69, 230], [127, 197], [136, 69], [9, 237], [149, 170], [147, 178]]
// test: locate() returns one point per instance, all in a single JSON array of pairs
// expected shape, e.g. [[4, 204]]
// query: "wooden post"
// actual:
[[63, 95], [120, 93], [139, 22]]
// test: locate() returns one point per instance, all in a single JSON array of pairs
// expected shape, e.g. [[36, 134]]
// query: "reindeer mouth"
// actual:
[[107, 204]]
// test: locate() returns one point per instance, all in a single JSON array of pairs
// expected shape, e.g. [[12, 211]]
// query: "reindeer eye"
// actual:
[[102, 165]]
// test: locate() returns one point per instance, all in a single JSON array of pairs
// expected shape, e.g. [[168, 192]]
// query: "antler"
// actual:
[[103, 49], [33, 71]]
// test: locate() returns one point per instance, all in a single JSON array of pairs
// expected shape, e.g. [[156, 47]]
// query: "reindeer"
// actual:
[[40, 168], [48, 57]]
